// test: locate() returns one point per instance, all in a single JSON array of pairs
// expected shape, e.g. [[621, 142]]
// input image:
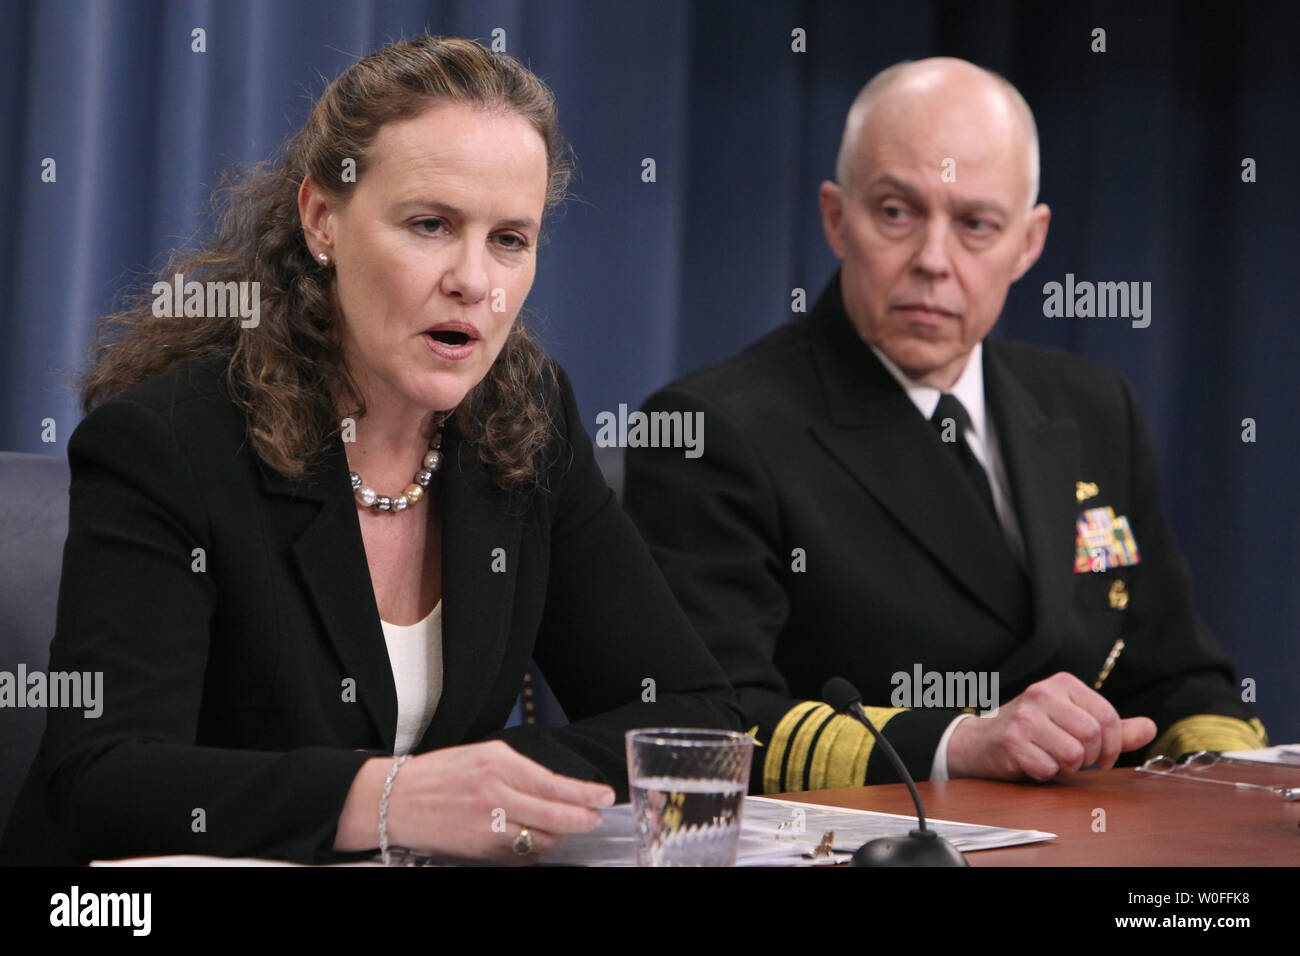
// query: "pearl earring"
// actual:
[[324, 259]]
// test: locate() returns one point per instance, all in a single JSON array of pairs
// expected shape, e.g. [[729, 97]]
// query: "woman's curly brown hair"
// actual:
[[288, 374]]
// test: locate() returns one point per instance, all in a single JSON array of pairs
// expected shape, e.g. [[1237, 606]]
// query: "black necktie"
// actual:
[[950, 421]]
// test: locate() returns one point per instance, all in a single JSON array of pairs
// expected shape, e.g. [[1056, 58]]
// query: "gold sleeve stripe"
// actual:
[[858, 768], [801, 745], [775, 762], [1210, 732], [833, 748], [850, 764], [835, 735], [841, 755]]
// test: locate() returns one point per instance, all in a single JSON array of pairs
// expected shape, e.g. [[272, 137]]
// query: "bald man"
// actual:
[[956, 525]]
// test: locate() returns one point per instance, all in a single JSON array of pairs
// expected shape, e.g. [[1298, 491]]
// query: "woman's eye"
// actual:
[[512, 241], [433, 226]]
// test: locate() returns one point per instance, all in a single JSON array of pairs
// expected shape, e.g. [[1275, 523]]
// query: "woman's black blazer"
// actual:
[[245, 673]]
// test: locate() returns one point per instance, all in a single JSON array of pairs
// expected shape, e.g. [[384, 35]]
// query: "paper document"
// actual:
[[785, 833], [1283, 753]]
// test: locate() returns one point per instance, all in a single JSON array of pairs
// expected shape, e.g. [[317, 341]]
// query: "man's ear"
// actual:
[[315, 209], [1035, 237], [830, 197]]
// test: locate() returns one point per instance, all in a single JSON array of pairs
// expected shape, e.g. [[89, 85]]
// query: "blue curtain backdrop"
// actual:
[[1142, 149]]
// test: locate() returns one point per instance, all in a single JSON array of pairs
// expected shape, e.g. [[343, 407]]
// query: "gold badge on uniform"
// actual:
[[1104, 541], [1083, 490]]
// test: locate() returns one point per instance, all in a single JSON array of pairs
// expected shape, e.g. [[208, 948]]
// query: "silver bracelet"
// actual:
[[383, 807]]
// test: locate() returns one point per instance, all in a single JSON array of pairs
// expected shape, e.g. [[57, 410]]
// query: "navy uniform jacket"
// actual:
[[826, 531], [224, 689]]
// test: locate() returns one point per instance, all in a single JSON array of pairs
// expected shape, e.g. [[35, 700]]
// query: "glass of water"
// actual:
[[688, 790]]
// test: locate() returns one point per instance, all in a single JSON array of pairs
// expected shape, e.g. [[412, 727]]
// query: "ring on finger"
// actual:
[[523, 844]]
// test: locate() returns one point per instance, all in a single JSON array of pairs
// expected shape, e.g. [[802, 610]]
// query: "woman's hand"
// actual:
[[470, 803]]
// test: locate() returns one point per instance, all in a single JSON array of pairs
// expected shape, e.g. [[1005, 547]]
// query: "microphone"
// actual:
[[921, 847]]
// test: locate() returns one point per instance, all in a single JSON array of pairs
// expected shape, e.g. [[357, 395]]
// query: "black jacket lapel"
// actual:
[[331, 557], [1042, 461], [477, 518], [877, 433]]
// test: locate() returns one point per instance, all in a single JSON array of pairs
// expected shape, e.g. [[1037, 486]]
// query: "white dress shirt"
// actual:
[[981, 436]]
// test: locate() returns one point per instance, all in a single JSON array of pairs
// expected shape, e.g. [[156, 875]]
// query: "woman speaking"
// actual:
[[313, 543]]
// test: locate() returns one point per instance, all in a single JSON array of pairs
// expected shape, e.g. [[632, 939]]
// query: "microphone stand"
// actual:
[[922, 846]]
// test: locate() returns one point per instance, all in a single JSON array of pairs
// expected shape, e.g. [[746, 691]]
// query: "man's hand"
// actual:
[[1051, 730]]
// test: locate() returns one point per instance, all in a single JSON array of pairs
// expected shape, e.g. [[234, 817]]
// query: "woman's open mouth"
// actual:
[[448, 337], [452, 340]]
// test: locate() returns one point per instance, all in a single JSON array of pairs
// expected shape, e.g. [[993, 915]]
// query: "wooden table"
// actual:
[[1149, 821]]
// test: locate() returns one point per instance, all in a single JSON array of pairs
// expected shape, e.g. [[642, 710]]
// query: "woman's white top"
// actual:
[[415, 651]]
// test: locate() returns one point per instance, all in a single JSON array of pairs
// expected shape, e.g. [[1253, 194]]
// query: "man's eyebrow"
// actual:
[[980, 205], [886, 181], [912, 195], [455, 212]]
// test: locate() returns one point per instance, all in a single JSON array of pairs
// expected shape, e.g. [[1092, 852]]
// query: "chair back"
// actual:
[[33, 528]]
